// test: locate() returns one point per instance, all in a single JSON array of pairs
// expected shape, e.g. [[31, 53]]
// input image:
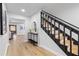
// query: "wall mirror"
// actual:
[[35, 28]]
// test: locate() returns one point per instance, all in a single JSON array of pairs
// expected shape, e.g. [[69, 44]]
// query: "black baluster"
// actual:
[[64, 35], [48, 24], [64, 39], [41, 20], [71, 41], [51, 27], [45, 24], [59, 32], [78, 44], [54, 29]]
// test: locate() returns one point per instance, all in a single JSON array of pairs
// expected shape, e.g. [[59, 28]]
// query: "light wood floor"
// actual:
[[20, 48]]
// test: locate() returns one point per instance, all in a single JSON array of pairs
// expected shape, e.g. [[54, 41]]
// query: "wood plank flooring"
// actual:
[[20, 48]]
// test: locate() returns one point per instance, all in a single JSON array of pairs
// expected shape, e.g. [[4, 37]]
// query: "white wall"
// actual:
[[44, 40], [27, 27], [66, 11], [4, 39]]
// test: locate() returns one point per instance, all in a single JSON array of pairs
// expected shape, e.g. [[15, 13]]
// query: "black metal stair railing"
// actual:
[[65, 35]]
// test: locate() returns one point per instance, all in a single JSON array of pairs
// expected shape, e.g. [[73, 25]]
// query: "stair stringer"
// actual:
[[49, 44]]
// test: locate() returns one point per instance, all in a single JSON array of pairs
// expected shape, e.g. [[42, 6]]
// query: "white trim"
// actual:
[[55, 52], [6, 49]]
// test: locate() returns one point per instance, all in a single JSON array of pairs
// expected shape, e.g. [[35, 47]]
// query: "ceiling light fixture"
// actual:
[[23, 10]]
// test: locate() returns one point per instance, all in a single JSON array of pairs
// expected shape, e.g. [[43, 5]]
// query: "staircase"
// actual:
[[65, 35]]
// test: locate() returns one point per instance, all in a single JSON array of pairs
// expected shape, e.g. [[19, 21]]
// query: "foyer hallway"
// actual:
[[18, 47]]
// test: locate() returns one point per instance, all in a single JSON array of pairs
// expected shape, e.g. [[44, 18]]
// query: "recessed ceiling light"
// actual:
[[23, 10]]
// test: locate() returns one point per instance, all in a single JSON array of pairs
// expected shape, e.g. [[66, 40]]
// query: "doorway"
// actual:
[[12, 31]]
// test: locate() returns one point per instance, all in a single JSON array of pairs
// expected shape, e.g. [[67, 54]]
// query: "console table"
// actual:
[[33, 37]]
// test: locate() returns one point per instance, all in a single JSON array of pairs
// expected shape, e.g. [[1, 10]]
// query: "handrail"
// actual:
[[62, 20]]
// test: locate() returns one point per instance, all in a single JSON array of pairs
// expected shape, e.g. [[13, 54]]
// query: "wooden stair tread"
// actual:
[[75, 49]]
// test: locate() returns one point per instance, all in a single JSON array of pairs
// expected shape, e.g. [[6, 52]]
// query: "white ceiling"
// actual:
[[32, 8]]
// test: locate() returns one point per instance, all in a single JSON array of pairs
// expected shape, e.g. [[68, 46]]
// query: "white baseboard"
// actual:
[[6, 49], [55, 52]]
